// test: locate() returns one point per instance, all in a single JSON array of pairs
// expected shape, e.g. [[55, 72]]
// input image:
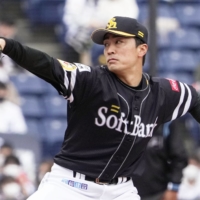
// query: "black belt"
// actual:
[[101, 181]]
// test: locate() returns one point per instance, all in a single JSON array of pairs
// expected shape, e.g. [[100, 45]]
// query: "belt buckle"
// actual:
[[100, 183]]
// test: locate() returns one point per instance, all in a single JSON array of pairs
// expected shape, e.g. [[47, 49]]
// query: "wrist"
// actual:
[[173, 186]]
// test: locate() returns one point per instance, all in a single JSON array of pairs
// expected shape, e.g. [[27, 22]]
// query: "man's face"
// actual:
[[120, 52]]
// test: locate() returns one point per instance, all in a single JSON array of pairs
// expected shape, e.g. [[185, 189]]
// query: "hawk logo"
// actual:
[[67, 66], [121, 124], [112, 24]]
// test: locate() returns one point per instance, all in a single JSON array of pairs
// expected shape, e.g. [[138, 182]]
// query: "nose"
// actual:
[[110, 49]]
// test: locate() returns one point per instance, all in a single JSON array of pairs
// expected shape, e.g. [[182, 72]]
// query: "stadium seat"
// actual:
[[45, 132], [180, 76], [185, 38], [55, 106], [188, 13], [160, 62], [32, 107], [163, 41], [186, 1], [97, 56], [28, 84], [51, 90], [183, 60], [36, 128], [54, 148], [48, 12], [163, 10], [54, 135], [54, 129]]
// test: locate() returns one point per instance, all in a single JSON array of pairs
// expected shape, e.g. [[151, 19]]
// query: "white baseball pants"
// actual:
[[59, 184]]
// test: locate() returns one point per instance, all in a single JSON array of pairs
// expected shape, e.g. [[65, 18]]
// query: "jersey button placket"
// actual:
[[136, 104], [136, 108], [129, 138]]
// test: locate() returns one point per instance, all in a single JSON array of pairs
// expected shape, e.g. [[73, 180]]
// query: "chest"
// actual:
[[127, 110]]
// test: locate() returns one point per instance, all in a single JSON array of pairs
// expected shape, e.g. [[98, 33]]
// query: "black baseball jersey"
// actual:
[[109, 122]]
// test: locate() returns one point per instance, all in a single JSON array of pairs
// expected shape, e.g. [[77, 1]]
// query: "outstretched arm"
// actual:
[[35, 61], [31, 59], [70, 79]]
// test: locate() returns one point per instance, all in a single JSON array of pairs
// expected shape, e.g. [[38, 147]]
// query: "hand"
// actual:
[[2, 44], [169, 195]]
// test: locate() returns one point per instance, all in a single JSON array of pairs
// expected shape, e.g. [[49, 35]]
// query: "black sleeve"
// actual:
[[179, 98], [195, 112], [35, 61], [176, 150]]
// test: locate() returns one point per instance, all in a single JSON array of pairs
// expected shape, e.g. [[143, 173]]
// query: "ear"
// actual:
[[142, 50]]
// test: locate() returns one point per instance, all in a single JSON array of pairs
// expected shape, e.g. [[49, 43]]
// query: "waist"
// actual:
[[61, 170]]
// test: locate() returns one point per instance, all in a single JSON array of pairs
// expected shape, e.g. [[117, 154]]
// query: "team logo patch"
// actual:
[[83, 68], [174, 85], [112, 24], [67, 66], [75, 184]]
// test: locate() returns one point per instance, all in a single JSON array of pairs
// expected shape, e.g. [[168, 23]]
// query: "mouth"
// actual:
[[111, 60]]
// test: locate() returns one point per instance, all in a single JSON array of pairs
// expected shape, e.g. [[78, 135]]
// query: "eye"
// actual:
[[105, 44], [118, 41]]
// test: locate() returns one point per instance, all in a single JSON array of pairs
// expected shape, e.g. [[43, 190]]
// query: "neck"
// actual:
[[131, 79]]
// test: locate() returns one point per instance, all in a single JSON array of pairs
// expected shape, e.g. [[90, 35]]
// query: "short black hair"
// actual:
[[139, 42]]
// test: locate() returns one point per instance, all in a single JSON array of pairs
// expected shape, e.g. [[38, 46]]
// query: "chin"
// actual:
[[112, 68]]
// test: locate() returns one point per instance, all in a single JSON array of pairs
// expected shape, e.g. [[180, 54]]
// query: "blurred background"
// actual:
[[33, 115]]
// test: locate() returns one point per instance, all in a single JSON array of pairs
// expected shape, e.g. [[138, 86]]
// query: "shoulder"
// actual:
[[174, 89], [167, 84], [93, 70]]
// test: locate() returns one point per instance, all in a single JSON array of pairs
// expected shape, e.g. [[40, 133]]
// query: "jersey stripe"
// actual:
[[73, 79], [70, 80], [66, 81], [188, 102], [72, 84], [175, 113]]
